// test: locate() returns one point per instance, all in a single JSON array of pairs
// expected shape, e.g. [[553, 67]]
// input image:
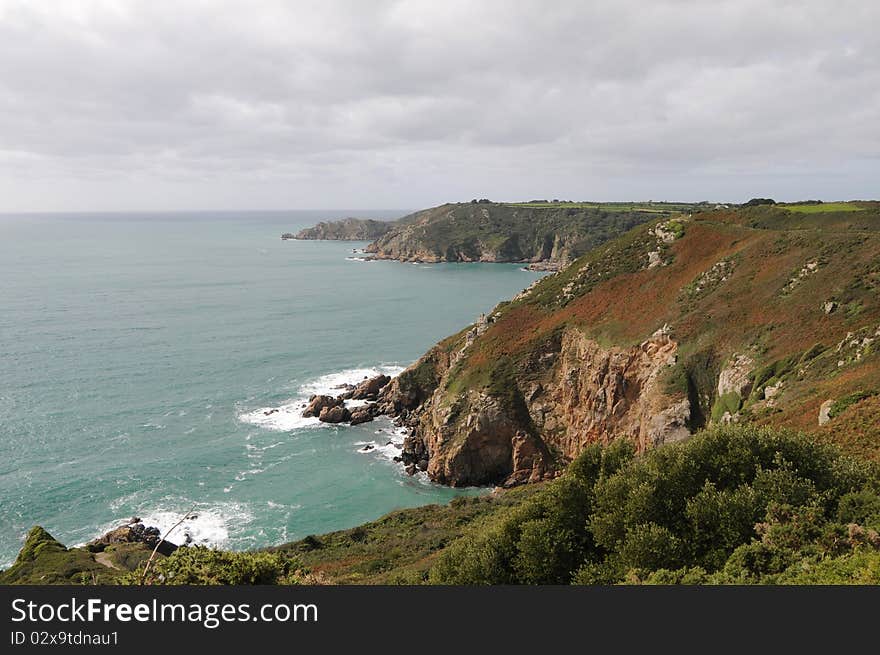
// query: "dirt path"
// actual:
[[106, 560]]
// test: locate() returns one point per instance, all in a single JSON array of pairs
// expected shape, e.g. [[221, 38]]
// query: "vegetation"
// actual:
[[347, 229], [650, 207], [796, 291], [548, 231], [841, 405], [399, 548], [43, 560], [824, 207], [733, 505], [197, 565]]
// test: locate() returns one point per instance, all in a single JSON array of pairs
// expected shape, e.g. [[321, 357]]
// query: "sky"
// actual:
[[154, 105]]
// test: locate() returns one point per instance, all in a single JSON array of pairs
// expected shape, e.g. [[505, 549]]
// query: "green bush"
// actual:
[[733, 504], [841, 405], [197, 565], [729, 402]]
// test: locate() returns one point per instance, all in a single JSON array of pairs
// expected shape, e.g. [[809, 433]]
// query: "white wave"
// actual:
[[209, 527], [288, 417], [333, 383], [388, 443]]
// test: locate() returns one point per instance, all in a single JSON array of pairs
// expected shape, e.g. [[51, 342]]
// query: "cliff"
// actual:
[[760, 315], [500, 232], [347, 229]]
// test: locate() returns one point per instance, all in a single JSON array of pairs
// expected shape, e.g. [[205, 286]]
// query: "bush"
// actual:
[[733, 504], [841, 405], [197, 565]]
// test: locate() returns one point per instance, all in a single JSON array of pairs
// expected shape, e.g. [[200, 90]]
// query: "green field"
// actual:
[[824, 207], [657, 207]]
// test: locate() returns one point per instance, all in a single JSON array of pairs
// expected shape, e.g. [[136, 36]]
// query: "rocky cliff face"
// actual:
[[347, 229], [678, 324], [570, 393], [497, 232]]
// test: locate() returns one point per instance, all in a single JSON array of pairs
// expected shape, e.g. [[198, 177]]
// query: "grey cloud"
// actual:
[[129, 105]]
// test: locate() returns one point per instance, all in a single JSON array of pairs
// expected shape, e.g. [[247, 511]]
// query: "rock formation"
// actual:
[[335, 414], [133, 532], [572, 393], [347, 229], [317, 404]]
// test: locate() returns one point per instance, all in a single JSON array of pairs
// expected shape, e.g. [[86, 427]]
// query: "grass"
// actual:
[[653, 207], [610, 296], [824, 208], [857, 429], [399, 548], [43, 560]]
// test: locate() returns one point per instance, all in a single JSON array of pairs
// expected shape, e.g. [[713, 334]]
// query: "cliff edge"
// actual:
[[762, 314]]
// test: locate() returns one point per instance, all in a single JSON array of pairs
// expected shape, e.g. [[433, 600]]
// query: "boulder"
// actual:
[[361, 415], [335, 414], [369, 389], [132, 533], [772, 392], [317, 404], [825, 412]]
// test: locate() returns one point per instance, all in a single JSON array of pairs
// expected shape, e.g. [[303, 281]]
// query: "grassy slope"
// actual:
[[399, 548], [515, 231], [43, 560], [616, 300], [826, 207]]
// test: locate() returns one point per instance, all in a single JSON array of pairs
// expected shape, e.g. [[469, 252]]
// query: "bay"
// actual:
[[142, 356]]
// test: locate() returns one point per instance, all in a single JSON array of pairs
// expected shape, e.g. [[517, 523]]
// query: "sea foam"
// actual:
[[288, 416], [209, 527]]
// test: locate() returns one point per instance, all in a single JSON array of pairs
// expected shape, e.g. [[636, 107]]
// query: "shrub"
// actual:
[[841, 405], [733, 504], [197, 565]]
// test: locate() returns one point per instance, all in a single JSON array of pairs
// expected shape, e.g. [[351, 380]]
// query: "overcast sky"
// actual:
[[281, 105]]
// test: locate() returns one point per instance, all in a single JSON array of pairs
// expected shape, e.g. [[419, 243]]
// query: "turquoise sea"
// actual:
[[139, 354]]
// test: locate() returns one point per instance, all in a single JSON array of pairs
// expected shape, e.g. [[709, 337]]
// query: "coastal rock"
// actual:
[[577, 393], [319, 403], [132, 533], [335, 414], [552, 267], [361, 415], [369, 389]]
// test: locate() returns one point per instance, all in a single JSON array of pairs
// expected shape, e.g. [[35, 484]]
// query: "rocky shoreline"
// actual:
[[381, 396], [133, 532]]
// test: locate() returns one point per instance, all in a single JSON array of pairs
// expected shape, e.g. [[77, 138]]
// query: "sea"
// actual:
[[157, 363]]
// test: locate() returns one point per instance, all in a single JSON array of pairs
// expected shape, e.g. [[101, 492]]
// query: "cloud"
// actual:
[[131, 105]]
